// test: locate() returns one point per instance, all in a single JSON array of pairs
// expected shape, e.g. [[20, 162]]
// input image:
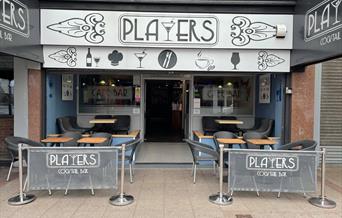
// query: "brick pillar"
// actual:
[[302, 109], [6, 129], [35, 100]]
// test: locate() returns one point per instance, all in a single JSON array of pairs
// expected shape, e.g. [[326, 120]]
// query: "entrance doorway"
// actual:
[[164, 113]]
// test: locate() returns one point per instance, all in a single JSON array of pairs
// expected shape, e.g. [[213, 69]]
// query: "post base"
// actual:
[[121, 200], [224, 200], [27, 198], [322, 202]]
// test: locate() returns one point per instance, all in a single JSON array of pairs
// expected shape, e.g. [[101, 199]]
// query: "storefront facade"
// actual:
[[215, 59]]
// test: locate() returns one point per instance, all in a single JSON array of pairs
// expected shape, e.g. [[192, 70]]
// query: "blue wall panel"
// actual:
[[55, 107]]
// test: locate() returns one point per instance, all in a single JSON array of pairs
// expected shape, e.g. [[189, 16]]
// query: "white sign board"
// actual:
[[67, 87], [265, 89], [167, 59], [135, 29]]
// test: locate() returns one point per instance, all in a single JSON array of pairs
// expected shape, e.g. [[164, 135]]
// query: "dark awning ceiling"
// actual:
[[205, 6]]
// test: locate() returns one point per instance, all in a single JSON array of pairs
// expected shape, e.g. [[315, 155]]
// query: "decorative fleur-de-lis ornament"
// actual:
[[244, 31], [266, 60], [68, 56], [91, 28]]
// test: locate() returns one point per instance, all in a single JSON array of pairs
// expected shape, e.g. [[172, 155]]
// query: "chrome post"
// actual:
[[322, 200], [22, 198], [221, 198], [122, 199]]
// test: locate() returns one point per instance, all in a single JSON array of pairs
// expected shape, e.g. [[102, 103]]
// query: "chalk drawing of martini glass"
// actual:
[[168, 26], [140, 56]]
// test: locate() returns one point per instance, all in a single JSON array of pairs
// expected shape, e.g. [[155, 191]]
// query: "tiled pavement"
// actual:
[[169, 193]]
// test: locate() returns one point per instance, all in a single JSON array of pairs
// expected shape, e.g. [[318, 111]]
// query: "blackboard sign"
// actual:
[[19, 29], [272, 171], [54, 168], [317, 31]]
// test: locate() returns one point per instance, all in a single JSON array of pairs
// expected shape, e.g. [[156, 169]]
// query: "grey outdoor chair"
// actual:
[[195, 148], [302, 145], [122, 124], [223, 134], [131, 148], [12, 143], [265, 128], [253, 135], [307, 145], [75, 137], [209, 125]]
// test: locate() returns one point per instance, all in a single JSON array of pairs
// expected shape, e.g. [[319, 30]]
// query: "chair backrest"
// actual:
[[106, 135], [122, 123], [307, 145], [196, 147], [12, 143], [209, 124], [132, 146], [265, 127], [64, 124], [253, 135], [223, 134], [75, 137], [73, 121]]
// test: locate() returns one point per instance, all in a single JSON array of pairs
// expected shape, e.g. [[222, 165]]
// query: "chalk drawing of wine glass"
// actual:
[[97, 60]]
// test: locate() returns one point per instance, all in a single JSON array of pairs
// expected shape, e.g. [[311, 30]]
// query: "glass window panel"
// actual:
[[97, 92], [225, 95], [6, 96]]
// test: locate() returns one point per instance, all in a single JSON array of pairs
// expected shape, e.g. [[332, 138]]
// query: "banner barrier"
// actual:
[[272, 171], [64, 168]]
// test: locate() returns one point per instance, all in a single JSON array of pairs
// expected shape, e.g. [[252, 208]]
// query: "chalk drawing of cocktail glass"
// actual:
[[168, 26], [140, 56], [97, 60]]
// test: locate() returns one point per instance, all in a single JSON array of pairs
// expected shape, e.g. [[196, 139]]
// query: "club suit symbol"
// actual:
[[115, 57], [167, 59]]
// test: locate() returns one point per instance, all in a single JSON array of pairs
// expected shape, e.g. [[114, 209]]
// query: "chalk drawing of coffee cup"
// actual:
[[204, 63]]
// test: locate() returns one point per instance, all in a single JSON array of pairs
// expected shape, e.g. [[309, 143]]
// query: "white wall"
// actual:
[[21, 67]]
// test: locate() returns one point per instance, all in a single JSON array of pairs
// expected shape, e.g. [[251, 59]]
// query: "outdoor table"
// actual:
[[102, 121], [92, 140], [56, 140], [58, 135], [262, 142], [230, 142], [229, 121]]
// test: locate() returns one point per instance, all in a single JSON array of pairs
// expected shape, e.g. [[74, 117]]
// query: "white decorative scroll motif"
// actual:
[[266, 60], [91, 28], [243, 31], [68, 56]]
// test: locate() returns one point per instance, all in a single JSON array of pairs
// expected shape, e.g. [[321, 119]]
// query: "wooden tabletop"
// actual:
[[132, 134], [229, 121], [58, 135], [230, 141], [200, 135], [92, 140], [56, 140], [102, 121], [261, 141]]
